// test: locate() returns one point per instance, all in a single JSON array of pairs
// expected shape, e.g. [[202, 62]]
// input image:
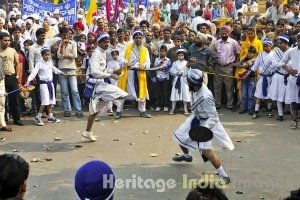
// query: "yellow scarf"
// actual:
[[122, 82]]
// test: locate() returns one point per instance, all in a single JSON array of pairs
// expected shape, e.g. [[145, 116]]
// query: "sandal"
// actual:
[[6, 128]]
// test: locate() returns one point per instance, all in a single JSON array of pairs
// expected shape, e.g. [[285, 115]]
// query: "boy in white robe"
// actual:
[[263, 64], [45, 69]]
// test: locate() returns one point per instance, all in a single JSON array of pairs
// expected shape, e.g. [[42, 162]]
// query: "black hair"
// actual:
[[199, 13], [63, 30], [3, 35], [28, 42], [210, 192], [120, 30], [174, 16], [111, 53], [14, 29], [110, 33], [281, 22], [163, 47], [14, 171], [269, 21], [252, 49], [295, 195], [144, 22], [16, 46], [203, 24], [40, 31]]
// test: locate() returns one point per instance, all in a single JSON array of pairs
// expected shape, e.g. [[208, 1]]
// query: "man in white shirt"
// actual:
[[197, 20]]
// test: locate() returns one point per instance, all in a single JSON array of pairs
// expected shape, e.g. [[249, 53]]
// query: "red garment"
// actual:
[[22, 69], [207, 15]]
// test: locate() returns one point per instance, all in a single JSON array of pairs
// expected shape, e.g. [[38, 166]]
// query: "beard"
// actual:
[[224, 38], [198, 44]]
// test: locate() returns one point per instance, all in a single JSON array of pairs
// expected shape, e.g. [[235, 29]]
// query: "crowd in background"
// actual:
[[236, 51]]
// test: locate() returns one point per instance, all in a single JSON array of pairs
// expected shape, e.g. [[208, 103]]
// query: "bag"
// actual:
[[89, 88]]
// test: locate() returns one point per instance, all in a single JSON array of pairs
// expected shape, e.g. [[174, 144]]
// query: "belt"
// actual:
[[281, 73], [268, 75], [10, 75], [50, 88], [285, 77]]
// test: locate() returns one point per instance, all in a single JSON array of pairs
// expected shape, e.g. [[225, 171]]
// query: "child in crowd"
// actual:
[[263, 64], [180, 89], [82, 45], [216, 13], [114, 65], [80, 77], [85, 67], [162, 79], [249, 83], [45, 69]]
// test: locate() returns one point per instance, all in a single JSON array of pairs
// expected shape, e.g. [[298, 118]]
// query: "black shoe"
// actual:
[[145, 115], [269, 113], [280, 118], [117, 115], [67, 114], [242, 111], [79, 115], [18, 122], [233, 109], [180, 157]]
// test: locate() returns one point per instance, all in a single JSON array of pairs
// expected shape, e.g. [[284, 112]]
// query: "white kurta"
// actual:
[[130, 88], [277, 87], [263, 63], [103, 91], [292, 56], [112, 66], [208, 116], [45, 69], [179, 71]]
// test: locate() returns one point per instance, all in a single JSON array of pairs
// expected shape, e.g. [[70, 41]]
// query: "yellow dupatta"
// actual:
[[122, 82]]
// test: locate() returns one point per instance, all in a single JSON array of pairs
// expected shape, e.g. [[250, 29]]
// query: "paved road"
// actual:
[[265, 163]]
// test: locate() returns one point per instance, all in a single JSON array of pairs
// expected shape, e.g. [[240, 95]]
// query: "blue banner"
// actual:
[[136, 3], [67, 10]]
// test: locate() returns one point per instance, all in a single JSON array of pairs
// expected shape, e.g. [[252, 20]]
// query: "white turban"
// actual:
[[20, 22], [201, 37], [29, 21], [195, 77]]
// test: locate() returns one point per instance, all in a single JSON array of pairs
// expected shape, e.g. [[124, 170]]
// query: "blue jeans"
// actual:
[[65, 84], [248, 94]]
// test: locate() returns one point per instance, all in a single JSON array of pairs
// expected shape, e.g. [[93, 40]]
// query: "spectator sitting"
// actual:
[[14, 171]]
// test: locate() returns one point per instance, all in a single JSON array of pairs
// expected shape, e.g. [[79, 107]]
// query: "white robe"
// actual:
[[208, 116], [179, 67], [277, 87], [130, 88], [263, 63], [292, 55], [45, 72], [102, 90]]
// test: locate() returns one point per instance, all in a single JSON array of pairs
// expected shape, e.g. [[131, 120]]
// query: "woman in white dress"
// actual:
[[180, 89]]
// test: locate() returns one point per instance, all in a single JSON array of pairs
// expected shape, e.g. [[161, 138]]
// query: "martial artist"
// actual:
[[103, 92], [204, 110]]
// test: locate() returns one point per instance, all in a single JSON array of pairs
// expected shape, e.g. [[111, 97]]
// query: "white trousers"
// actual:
[[2, 104]]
